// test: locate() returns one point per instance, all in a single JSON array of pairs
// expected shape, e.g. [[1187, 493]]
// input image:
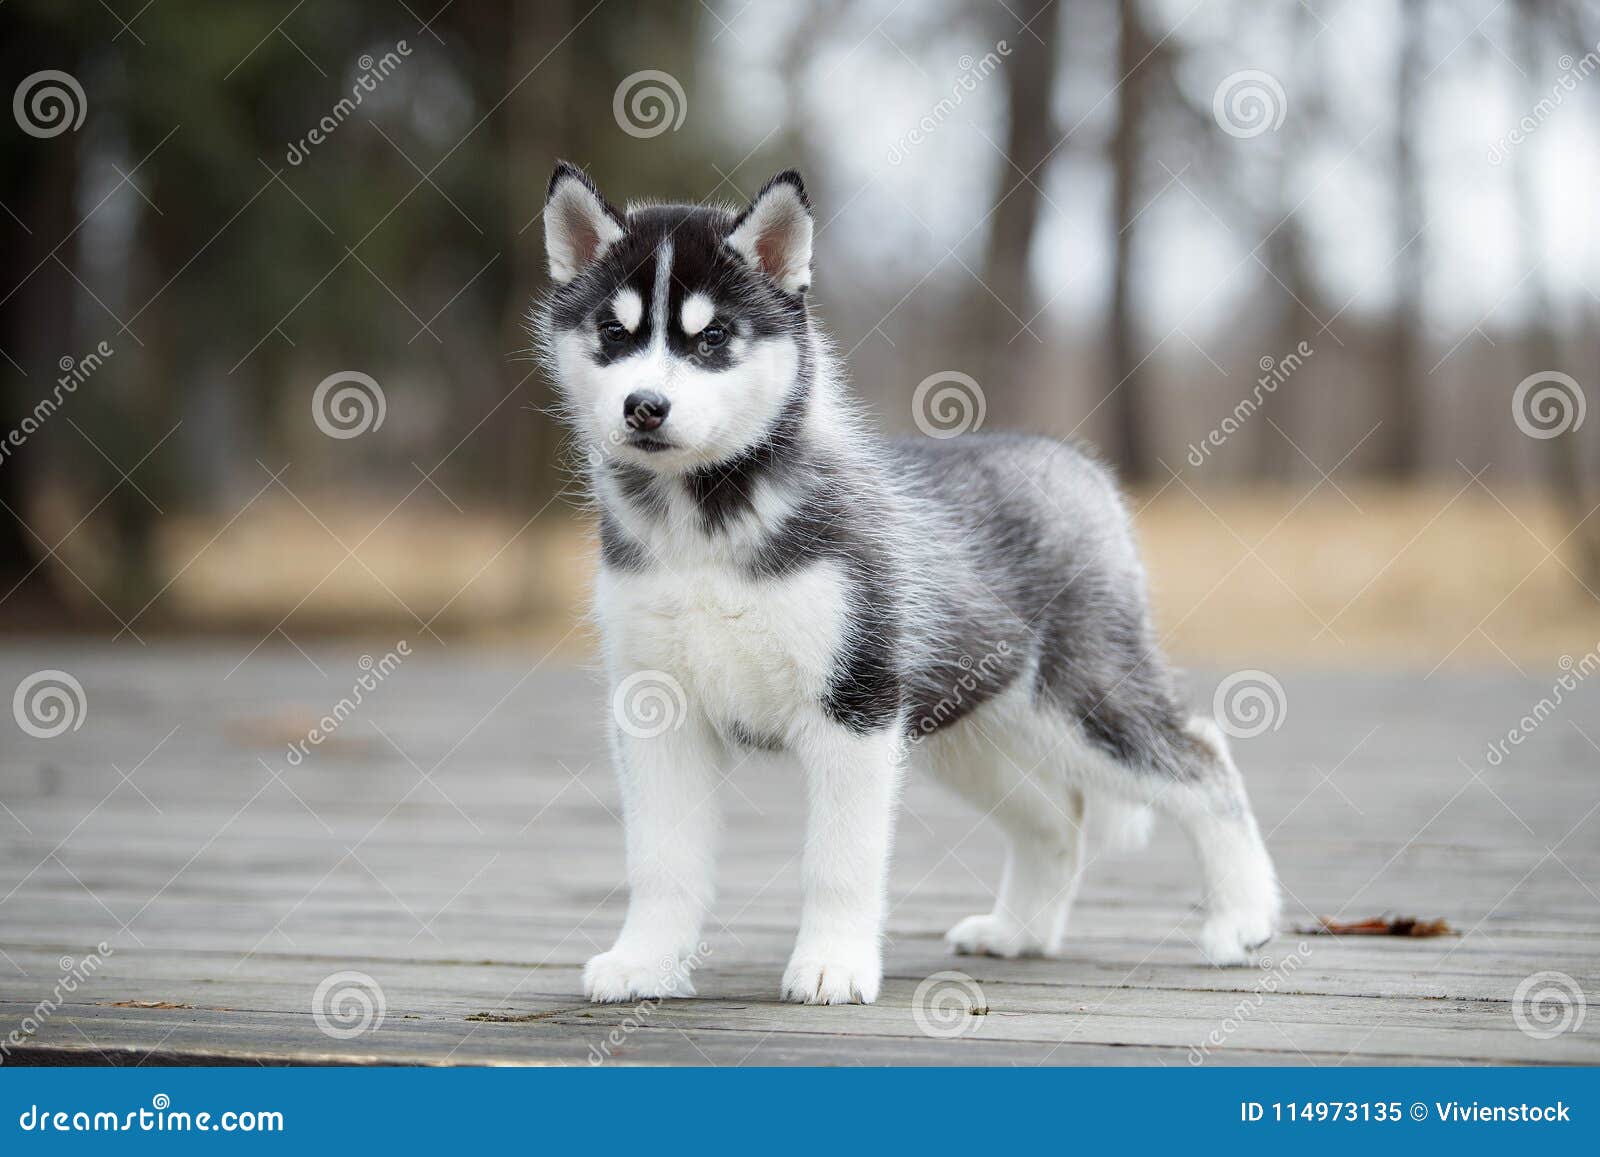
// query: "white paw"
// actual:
[[992, 934], [1233, 936], [612, 978], [833, 975]]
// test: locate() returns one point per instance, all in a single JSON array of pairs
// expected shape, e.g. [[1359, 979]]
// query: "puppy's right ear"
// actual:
[[579, 224]]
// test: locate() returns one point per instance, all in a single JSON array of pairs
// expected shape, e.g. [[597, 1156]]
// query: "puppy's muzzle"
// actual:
[[645, 410]]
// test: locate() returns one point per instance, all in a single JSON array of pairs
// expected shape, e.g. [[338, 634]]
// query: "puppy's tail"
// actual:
[[1117, 825]]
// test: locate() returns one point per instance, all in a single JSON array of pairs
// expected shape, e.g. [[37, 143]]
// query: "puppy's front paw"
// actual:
[[834, 975], [613, 977], [993, 934], [1233, 936]]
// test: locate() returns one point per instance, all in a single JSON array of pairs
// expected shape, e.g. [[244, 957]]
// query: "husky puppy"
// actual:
[[787, 579]]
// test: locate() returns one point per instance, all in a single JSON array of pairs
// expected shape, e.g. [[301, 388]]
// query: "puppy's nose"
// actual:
[[645, 410]]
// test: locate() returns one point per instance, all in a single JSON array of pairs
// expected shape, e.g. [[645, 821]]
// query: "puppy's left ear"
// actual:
[[579, 223], [774, 233]]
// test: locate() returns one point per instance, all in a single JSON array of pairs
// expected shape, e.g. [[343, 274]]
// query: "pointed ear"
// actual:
[[579, 224], [774, 233]]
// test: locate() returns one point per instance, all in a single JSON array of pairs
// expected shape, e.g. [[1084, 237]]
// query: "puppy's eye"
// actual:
[[714, 335], [613, 331]]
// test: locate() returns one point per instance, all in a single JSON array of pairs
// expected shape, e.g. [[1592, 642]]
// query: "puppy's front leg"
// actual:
[[852, 782], [670, 813]]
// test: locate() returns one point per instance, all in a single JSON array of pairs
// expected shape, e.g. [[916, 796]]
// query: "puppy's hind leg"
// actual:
[[1036, 892], [1241, 888], [1042, 821]]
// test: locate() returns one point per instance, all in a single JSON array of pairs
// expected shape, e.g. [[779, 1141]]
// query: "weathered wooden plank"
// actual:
[[244, 894], [260, 1043], [202, 1036], [266, 983], [533, 1025], [197, 978]]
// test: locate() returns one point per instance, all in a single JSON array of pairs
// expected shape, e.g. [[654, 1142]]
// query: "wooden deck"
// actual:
[[454, 841]]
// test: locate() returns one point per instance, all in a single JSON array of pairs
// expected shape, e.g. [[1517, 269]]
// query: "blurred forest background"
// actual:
[[1119, 218]]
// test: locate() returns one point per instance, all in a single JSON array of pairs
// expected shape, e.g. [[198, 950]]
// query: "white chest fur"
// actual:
[[751, 652]]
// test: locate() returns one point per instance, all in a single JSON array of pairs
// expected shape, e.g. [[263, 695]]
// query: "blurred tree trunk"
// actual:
[[1288, 256], [534, 128], [38, 183], [1401, 437], [148, 401], [1006, 302], [1560, 457], [537, 128], [1128, 444], [511, 38]]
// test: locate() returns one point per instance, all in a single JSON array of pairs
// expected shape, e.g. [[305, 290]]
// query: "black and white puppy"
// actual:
[[797, 582]]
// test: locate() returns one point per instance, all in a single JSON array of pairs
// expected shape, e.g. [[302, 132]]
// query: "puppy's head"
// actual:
[[678, 333]]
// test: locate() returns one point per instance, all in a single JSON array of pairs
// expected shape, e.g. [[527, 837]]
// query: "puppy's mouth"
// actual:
[[648, 442]]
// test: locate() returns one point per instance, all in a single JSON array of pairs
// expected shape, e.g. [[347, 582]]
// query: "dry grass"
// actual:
[[1417, 578]]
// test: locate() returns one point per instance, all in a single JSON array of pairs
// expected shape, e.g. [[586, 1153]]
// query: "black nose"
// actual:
[[645, 410]]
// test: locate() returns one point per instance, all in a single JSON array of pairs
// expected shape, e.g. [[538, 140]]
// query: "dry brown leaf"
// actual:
[[1380, 926]]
